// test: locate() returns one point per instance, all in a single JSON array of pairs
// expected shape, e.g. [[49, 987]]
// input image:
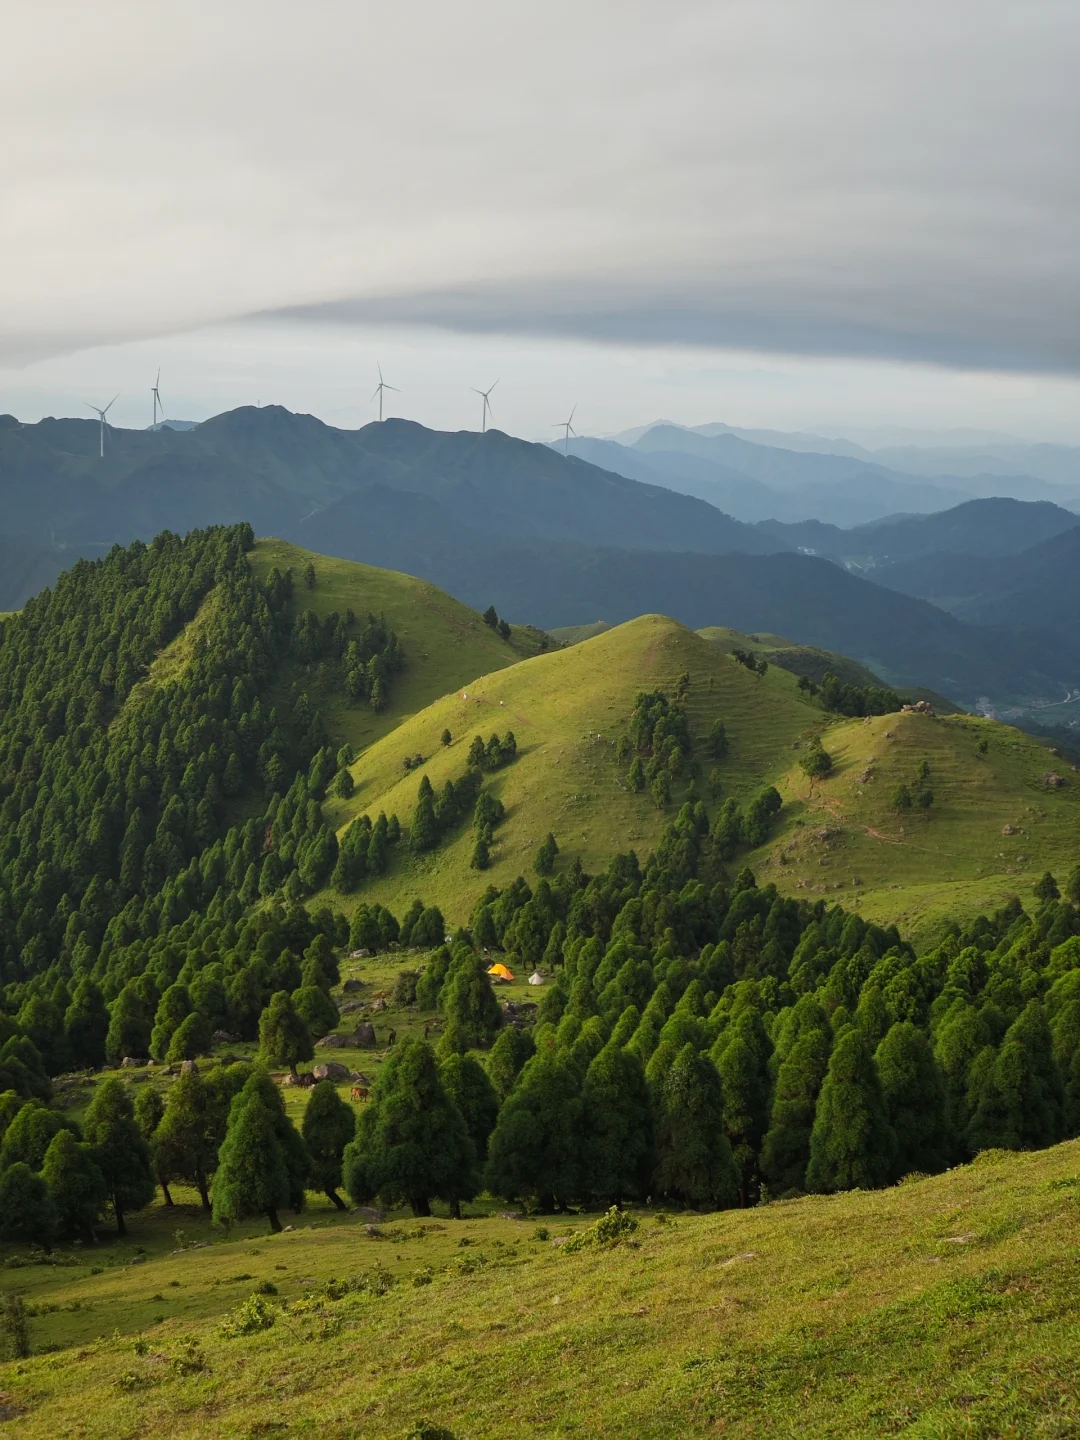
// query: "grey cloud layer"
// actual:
[[815, 176]]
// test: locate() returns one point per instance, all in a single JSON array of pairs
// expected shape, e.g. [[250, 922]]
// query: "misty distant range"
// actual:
[[951, 566]]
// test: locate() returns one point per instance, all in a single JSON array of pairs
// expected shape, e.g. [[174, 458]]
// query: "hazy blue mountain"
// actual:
[[1040, 587], [280, 470]]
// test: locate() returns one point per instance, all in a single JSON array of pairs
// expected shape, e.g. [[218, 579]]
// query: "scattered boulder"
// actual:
[[1010, 830], [920, 707], [332, 1070], [364, 1037], [333, 1041], [359, 1077], [222, 1037], [1052, 780], [359, 954], [352, 984], [130, 1063], [188, 1067], [378, 1005], [351, 1007]]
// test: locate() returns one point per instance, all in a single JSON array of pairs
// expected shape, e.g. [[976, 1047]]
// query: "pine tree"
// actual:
[[1021, 1099], [184, 1143], [122, 1153], [544, 863], [76, 1186], [785, 1152], [328, 1127], [30, 1133], [741, 1057], [86, 1024], [27, 1216], [535, 1148], [617, 1128], [191, 1038], [852, 1144], [468, 1085], [284, 1039], [424, 831], [695, 1164], [512, 1050], [473, 1017], [411, 1142], [316, 1009], [252, 1178], [914, 1094]]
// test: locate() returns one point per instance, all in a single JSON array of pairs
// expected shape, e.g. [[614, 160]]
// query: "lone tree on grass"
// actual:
[[544, 863], [121, 1151], [411, 1142], [329, 1125], [284, 1038], [816, 762]]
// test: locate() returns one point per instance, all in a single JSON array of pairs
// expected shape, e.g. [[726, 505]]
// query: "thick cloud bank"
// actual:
[[813, 176]]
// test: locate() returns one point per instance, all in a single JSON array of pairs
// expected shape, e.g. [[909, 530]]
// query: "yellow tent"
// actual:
[[500, 972]]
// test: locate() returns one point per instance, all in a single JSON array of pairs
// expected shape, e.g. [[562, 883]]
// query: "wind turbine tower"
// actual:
[[101, 416], [487, 405], [382, 385], [567, 426], [157, 400]]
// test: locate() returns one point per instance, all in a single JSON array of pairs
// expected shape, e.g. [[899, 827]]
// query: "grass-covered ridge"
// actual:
[[567, 710], [945, 1308], [446, 643]]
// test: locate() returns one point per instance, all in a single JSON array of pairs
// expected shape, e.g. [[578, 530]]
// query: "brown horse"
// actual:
[[359, 1093]]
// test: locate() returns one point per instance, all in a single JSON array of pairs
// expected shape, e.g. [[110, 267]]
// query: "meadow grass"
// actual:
[[567, 710], [944, 1307], [445, 643]]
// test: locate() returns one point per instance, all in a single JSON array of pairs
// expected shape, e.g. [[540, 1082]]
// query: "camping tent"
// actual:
[[536, 978], [500, 972]]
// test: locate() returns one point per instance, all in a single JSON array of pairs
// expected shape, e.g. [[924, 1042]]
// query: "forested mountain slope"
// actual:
[[193, 866]]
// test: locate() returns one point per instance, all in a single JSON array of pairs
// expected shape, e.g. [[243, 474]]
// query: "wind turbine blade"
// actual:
[[376, 390], [91, 407], [111, 403], [573, 412], [492, 387], [379, 368], [392, 387], [157, 382]]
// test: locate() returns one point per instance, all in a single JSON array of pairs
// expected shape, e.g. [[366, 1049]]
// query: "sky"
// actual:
[[790, 213]]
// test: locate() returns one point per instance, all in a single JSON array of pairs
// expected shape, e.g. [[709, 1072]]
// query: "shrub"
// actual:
[[249, 1318]]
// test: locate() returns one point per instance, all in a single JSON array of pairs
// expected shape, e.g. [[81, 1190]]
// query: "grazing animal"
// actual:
[[391, 1037], [359, 1093]]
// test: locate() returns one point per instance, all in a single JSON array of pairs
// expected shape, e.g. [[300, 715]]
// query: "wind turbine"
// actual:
[[157, 400], [382, 385], [569, 428], [101, 416], [487, 405]]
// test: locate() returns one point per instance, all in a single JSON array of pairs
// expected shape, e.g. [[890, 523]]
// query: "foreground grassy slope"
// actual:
[[445, 642], [918, 867], [944, 1308], [567, 709]]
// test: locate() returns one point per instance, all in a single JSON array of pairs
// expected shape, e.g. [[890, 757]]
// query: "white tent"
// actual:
[[536, 978]]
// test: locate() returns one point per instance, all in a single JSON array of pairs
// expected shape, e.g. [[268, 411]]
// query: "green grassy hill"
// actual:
[[916, 867], [945, 1307], [445, 643], [567, 710]]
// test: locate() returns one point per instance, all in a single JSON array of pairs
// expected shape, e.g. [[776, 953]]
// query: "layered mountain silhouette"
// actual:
[[550, 540]]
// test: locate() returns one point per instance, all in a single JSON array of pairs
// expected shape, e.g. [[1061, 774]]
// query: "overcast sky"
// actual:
[[765, 211]]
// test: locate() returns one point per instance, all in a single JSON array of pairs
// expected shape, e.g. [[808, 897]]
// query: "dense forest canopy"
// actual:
[[703, 1037]]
